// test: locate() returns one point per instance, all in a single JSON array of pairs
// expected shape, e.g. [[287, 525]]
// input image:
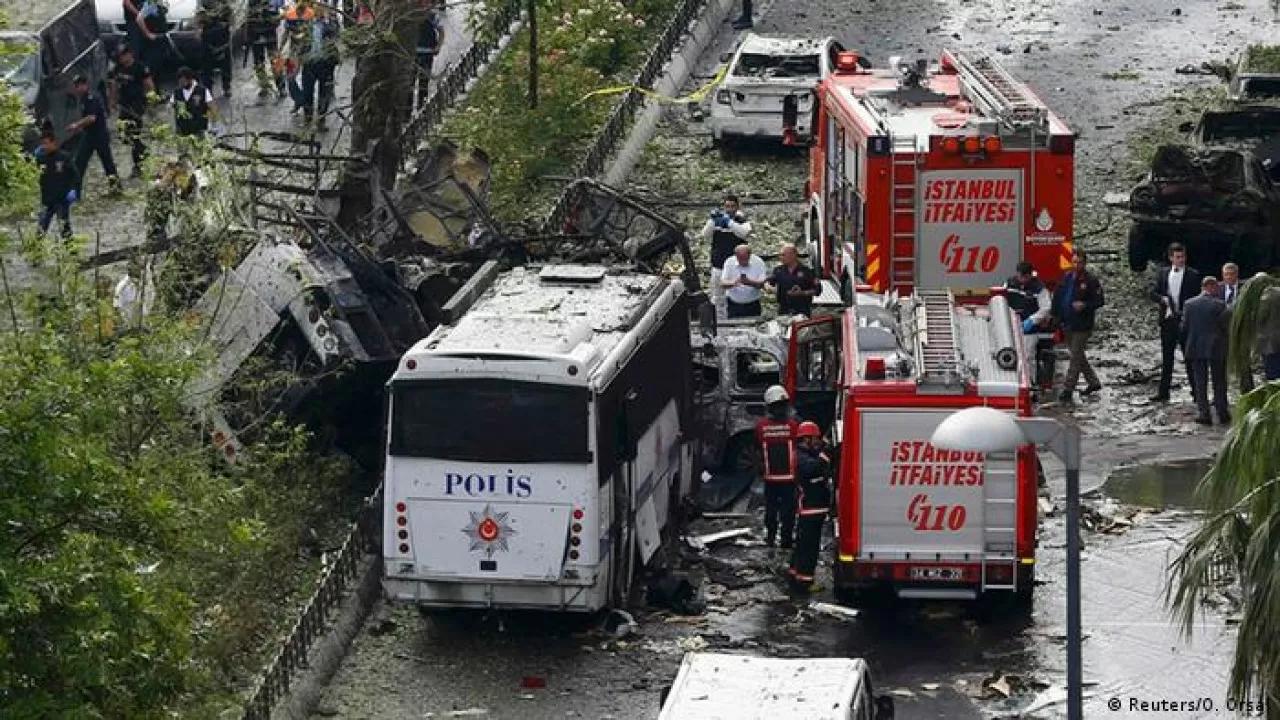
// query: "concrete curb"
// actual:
[[327, 655], [676, 73]]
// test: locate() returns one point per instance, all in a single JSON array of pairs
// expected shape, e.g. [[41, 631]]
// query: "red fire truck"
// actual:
[[912, 519], [940, 175]]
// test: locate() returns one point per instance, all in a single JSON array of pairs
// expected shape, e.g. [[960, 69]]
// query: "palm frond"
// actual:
[[1244, 323], [1241, 496]]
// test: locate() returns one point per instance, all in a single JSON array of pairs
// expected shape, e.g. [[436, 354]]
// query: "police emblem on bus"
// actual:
[[488, 531]]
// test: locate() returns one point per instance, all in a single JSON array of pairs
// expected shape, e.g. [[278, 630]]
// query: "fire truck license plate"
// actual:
[[937, 573]]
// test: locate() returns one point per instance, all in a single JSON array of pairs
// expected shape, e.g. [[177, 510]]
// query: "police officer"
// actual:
[[813, 470], [191, 105], [58, 182], [153, 23], [262, 26], [776, 435], [215, 45], [430, 40], [726, 229], [130, 86], [95, 138], [1030, 298]]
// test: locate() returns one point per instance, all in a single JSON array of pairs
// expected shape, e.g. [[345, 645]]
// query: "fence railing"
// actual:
[[605, 144], [312, 622], [453, 84]]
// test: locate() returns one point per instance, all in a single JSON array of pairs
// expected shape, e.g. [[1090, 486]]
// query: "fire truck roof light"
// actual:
[[847, 61], [951, 145], [991, 144], [972, 144]]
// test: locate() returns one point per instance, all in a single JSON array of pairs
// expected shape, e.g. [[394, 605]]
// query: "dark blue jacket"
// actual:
[[1086, 289]]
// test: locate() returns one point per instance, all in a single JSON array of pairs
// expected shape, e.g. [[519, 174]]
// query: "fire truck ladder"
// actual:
[[999, 531], [936, 352], [902, 198], [997, 94]]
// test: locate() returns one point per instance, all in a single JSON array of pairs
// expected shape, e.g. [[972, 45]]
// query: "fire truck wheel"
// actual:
[[1139, 252]]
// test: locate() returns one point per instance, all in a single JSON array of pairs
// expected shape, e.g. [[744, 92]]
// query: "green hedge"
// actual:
[[583, 45]]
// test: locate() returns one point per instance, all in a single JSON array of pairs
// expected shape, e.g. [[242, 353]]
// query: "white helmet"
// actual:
[[775, 394]]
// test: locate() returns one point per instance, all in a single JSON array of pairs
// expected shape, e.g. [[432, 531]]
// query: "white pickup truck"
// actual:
[[717, 686]]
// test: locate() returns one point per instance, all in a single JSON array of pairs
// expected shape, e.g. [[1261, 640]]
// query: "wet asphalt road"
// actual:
[[405, 666]]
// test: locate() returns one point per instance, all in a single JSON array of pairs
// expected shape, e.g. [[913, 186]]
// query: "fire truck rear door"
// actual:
[[918, 502], [970, 227], [813, 368]]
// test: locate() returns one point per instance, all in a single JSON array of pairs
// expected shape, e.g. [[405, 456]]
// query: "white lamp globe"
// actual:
[[979, 429]]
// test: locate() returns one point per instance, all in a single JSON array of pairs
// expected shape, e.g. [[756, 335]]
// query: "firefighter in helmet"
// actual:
[[813, 471], [776, 434]]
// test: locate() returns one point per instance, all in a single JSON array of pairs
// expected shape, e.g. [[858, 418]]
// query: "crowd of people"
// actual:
[[739, 277], [1193, 316], [294, 47]]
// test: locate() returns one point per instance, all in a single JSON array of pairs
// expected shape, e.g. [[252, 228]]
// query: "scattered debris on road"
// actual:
[[619, 624], [701, 542], [836, 611]]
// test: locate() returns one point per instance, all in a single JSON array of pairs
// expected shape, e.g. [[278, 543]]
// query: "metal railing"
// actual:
[[450, 87], [312, 622], [597, 155]]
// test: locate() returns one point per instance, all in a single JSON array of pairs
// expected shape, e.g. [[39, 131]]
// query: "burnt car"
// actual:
[[732, 367], [1221, 202]]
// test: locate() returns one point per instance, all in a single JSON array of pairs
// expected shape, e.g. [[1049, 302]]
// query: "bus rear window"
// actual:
[[486, 420]]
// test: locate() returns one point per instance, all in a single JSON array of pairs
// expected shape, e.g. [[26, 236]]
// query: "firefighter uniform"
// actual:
[[813, 470], [778, 452]]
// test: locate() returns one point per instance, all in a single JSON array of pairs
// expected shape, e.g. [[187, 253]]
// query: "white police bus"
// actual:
[[538, 441]]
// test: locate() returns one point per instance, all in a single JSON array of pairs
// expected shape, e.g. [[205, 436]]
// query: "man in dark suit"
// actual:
[[1231, 285], [1204, 322], [1229, 290], [1175, 285]]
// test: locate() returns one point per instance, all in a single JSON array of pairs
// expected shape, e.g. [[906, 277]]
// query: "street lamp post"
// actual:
[[987, 430]]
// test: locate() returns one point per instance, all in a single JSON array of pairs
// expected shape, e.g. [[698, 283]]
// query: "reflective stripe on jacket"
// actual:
[[777, 449]]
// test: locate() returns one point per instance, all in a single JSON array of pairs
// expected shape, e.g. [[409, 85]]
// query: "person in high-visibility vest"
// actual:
[[776, 435], [813, 483]]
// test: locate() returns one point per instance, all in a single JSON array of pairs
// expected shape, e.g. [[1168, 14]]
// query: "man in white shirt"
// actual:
[[1175, 285], [742, 277]]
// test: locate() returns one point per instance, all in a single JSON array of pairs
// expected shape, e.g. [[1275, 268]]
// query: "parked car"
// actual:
[[763, 72], [719, 685], [1220, 202], [40, 66]]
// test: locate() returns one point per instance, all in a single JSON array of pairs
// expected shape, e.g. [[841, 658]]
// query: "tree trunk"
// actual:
[[533, 54], [382, 98]]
